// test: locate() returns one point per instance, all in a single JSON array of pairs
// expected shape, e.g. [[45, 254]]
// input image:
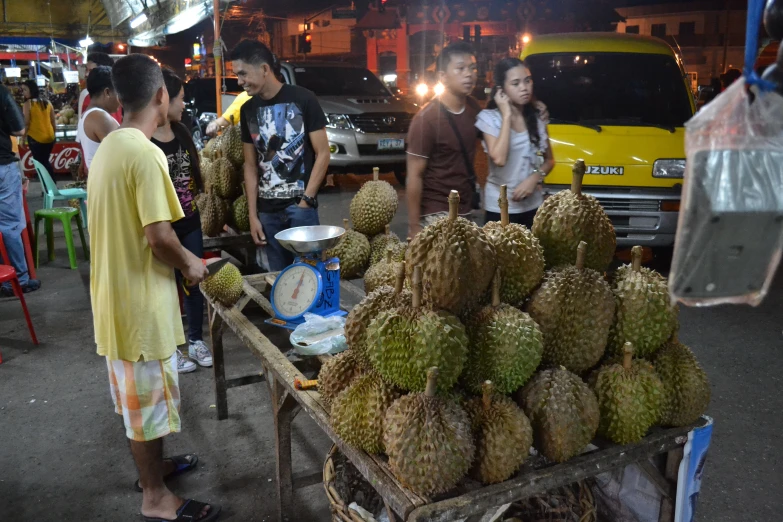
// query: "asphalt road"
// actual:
[[63, 455]]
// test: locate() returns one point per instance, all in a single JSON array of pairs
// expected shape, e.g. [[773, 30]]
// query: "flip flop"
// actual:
[[184, 464], [189, 511]]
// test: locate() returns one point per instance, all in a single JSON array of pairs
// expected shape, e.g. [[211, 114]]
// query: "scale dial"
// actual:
[[296, 290]]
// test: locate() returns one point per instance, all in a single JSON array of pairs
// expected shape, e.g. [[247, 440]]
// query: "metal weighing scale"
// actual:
[[312, 283]]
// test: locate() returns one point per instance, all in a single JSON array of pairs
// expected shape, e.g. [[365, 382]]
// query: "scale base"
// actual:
[[293, 323]]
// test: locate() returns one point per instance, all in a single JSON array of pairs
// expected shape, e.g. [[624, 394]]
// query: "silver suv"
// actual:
[[366, 124]]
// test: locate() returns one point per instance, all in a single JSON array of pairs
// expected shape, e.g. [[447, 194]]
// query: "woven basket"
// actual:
[[340, 510], [344, 484]]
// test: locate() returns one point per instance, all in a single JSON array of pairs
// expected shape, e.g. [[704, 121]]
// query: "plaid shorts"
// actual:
[[146, 394]]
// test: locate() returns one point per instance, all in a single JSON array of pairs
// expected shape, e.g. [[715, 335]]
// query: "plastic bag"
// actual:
[[730, 229], [319, 335]]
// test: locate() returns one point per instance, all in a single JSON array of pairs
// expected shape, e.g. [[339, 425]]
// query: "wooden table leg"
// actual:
[[284, 408], [669, 504], [218, 362]]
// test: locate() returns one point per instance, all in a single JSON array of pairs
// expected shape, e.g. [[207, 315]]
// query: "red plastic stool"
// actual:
[[28, 253], [7, 273]]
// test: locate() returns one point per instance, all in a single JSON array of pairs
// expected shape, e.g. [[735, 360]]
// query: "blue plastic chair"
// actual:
[[52, 193]]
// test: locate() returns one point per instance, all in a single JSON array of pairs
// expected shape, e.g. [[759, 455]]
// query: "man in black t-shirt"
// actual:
[[12, 221], [285, 146]]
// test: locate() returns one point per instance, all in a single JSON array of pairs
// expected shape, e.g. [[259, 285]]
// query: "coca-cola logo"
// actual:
[[60, 158]]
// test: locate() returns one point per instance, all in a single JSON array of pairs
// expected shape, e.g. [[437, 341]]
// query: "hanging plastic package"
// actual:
[[730, 231]]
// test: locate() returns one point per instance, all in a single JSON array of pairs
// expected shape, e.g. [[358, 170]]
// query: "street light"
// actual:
[[526, 38]]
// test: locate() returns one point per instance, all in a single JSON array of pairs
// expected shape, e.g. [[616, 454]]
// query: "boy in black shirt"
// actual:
[[12, 221], [285, 146]]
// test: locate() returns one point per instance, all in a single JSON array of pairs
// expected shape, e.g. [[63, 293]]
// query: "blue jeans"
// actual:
[[274, 222], [194, 303], [12, 221]]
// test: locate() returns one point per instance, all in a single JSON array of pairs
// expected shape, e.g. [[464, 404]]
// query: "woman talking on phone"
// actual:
[[515, 138]]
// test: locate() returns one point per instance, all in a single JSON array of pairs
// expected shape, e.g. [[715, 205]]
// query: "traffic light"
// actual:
[[305, 43]]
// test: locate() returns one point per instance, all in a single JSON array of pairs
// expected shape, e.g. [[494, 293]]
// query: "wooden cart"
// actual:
[[279, 373]]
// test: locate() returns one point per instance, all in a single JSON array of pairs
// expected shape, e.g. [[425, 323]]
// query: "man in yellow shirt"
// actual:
[[132, 286], [231, 114]]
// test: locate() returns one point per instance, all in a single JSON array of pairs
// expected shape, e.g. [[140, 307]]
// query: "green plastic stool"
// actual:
[[64, 214]]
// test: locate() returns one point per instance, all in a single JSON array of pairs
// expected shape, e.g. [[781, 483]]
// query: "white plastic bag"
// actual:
[[319, 335], [730, 230]]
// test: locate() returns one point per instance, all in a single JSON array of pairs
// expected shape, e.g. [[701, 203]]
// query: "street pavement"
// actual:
[[63, 455]]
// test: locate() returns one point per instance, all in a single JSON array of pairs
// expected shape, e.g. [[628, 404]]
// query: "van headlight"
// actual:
[[669, 168], [338, 121]]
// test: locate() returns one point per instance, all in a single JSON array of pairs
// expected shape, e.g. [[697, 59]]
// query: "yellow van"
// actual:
[[620, 102]]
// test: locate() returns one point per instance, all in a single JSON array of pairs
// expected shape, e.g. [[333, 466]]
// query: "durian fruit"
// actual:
[[379, 244], [210, 149], [382, 299], [563, 412], [503, 435], [630, 396], [574, 307], [213, 213], [404, 342], [233, 137], [686, 390], [505, 346], [383, 273], [374, 206], [457, 258], [225, 285], [337, 373], [519, 254], [428, 440], [567, 218], [358, 411], [224, 179], [353, 251], [644, 315], [240, 214]]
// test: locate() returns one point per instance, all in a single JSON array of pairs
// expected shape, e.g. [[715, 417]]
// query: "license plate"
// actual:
[[391, 144]]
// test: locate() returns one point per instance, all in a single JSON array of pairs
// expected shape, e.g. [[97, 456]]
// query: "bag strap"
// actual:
[[465, 157]]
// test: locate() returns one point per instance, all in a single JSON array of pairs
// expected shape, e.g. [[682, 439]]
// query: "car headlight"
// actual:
[[422, 89], [338, 121], [669, 168]]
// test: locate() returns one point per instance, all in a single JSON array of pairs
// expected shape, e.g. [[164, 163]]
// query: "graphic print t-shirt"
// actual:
[[280, 128], [178, 159]]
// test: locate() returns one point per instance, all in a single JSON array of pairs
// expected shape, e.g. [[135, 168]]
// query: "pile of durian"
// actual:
[[495, 340], [363, 249], [223, 201]]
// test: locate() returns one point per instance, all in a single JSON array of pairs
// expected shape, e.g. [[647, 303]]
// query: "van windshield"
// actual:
[[340, 81], [611, 88]]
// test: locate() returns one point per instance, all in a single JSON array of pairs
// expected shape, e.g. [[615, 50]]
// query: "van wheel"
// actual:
[[400, 175]]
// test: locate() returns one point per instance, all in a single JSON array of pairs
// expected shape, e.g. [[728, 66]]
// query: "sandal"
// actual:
[[189, 511], [183, 463]]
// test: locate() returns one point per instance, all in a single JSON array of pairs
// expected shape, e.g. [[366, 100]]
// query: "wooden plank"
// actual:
[[658, 480], [355, 294], [226, 241], [282, 406], [218, 364], [400, 500], [668, 504], [244, 380], [530, 483]]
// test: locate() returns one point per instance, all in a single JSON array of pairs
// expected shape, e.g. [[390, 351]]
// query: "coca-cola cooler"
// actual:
[[63, 155]]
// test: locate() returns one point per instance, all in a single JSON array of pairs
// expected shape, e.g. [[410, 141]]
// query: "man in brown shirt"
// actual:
[[435, 163]]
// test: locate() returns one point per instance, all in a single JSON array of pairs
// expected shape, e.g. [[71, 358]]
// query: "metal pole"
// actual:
[[726, 38], [218, 55]]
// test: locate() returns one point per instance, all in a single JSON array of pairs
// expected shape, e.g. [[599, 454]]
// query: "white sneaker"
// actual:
[[185, 365], [199, 352]]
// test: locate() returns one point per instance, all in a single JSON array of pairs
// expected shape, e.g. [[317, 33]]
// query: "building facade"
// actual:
[[708, 35]]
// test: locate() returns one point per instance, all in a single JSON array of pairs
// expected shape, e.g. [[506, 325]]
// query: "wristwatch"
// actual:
[[313, 202]]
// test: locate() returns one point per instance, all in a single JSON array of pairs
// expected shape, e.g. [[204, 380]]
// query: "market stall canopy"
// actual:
[[58, 19], [148, 21]]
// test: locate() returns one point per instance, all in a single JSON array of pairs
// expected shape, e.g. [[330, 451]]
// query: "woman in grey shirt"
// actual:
[[515, 138]]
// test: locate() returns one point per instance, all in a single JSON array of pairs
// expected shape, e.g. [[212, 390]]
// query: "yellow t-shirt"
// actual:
[[41, 129], [134, 295], [233, 109]]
